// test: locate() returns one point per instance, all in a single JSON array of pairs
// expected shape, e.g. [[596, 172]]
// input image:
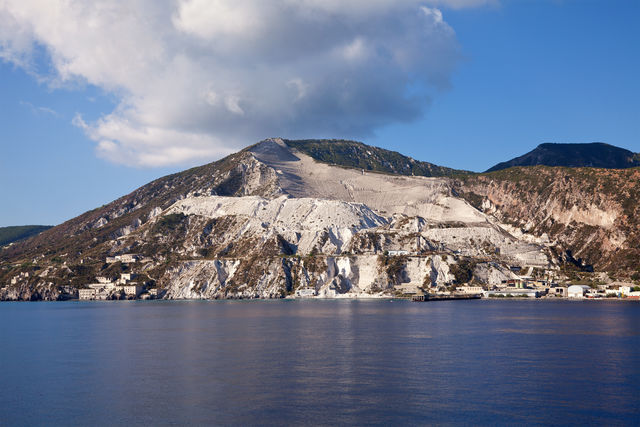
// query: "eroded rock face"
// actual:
[[328, 276], [37, 291], [586, 212], [305, 223], [336, 249]]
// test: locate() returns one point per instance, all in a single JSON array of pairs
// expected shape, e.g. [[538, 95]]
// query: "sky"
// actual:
[[100, 97]]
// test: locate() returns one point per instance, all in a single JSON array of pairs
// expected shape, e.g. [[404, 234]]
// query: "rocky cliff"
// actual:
[[590, 216]]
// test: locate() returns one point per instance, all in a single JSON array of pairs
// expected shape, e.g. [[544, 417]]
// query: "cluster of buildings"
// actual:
[[107, 289], [612, 290], [126, 286], [538, 289]]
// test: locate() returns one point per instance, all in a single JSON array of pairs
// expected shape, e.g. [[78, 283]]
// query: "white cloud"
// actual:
[[196, 79], [38, 110]]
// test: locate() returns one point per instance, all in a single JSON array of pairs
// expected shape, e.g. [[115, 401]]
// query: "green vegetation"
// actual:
[[463, 270], [20, 232], [354, 154], [171, 222], [393, 266]]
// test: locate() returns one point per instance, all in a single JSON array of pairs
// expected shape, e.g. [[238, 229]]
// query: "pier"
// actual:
[[428, 297]]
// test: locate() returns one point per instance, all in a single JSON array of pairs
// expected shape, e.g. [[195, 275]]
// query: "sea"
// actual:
[[320, 362]]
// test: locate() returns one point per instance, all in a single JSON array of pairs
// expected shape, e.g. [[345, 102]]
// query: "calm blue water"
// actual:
[[320, 362]]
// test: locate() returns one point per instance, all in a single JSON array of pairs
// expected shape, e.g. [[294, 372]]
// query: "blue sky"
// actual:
[[535, 71], [494, 80]]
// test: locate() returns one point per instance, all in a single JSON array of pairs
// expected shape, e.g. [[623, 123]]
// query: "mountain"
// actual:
[[15, 233], [283, 216], [595, 155]]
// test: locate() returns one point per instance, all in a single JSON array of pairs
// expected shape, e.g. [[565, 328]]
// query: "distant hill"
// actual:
[[595, 154], [20, 232]]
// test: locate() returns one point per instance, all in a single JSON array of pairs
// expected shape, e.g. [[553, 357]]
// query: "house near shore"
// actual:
[[86, 294], [622, 289], [577, 291], [305, 292], [132, 289], [557, 291], [469, 290]]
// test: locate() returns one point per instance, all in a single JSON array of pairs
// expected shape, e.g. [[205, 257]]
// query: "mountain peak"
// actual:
[[594, 154]]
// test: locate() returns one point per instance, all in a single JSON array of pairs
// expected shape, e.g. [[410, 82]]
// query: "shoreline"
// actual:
[[355, 298]]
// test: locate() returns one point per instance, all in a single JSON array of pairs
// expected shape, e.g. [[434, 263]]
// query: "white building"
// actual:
[[471, 290], [305, 292], [625, 290], [132, 289], [621, 288], [124, 258], [398, 253], [577, 291], [86, 294]]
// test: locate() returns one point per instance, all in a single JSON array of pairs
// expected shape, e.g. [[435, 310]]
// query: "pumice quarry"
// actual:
[[340, 219]]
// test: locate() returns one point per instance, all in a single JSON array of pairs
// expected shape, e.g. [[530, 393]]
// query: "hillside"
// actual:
[[361, 156], [272, 219], [595, 155], [591, 215], [15, 233]]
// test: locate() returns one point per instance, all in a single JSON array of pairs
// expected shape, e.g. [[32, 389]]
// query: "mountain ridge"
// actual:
[[16, 233], [594, 154]]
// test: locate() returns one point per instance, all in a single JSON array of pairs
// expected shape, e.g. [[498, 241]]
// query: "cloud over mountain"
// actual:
[[195, 79]]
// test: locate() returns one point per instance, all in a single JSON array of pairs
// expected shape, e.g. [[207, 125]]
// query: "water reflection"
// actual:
[[319, 362]]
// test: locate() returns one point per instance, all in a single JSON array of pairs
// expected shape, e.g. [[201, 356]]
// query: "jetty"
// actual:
[[432, 297]]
